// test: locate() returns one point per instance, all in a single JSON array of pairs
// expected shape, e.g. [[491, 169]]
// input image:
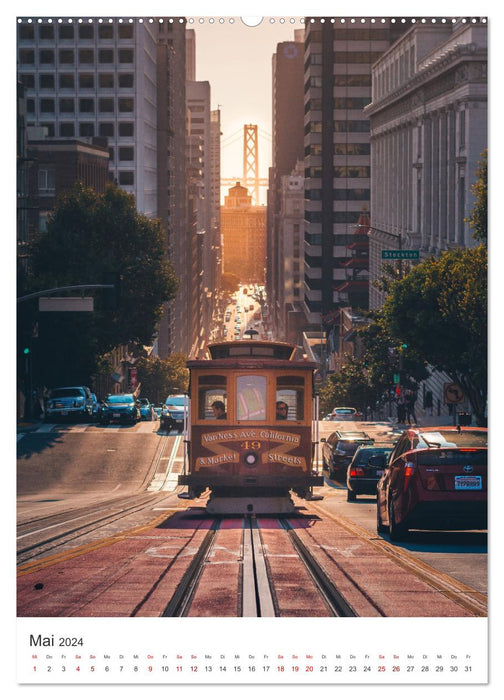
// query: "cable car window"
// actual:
[[212, 397], [290, 394], [251, 397]]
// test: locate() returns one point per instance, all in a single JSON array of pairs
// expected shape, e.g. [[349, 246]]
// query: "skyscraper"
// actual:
[[338, 59], [288, 149], [97, 78]]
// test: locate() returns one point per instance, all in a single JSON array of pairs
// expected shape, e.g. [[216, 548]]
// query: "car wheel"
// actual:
[[380, 527], [396, 532], [351, 495]]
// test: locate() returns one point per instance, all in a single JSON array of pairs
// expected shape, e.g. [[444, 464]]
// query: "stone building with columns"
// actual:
[[428, 129]]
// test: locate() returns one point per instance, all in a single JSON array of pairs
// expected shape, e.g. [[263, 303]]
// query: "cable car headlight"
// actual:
[[251, 459]]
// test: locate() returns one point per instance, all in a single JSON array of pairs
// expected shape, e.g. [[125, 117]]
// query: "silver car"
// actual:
[[69, 402]]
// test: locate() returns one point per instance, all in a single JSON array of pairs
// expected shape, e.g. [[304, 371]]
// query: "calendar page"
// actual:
[[251, 349]]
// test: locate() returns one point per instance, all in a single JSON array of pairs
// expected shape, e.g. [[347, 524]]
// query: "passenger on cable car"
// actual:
[[281, 410], [219, 410]]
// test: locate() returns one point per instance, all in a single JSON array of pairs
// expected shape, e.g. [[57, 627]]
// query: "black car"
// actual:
[[362, 477], [174, 411], [340, 447], [120, 407]]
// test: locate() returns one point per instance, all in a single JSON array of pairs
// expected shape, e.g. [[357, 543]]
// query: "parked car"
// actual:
[[345, 413], [120, 407], [436, 479], [362, 476], [174, 411], [339, 448], [146, 409], [69, 402]]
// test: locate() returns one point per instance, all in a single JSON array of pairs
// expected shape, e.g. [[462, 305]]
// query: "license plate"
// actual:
[[379, 472], [116, 415], [468, 483], [64, 413]]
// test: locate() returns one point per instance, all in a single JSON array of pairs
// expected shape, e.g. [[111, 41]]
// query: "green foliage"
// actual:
[[94, 239], [348, 387], [159, 378], [478, 220], [440, 309]]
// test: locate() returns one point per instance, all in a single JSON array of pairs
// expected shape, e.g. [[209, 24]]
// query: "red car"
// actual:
[[435, 479]]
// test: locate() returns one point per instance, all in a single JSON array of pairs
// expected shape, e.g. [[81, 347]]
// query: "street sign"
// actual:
[[400, 254], [66, 303], [452, 393]]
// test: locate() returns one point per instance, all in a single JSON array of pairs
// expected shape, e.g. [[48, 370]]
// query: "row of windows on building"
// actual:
[[340, 149], [312, 261], [88, 129], [46, 180], [340, 171], [338, 217], [83, 81], [315, 284], [339, 126], [65, 32], [68, 105], [69, 56], [356, 194], [348, 57], [341, 239], [338, 103], [358, 80]]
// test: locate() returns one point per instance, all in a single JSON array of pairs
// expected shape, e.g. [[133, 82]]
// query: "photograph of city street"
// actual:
[[251, 318]]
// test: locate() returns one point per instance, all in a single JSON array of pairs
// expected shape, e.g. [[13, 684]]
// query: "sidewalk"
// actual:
[[425, 421]]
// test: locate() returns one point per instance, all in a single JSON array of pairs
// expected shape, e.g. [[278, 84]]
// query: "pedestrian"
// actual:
[[410, 407], [401, 409], [428, 402]]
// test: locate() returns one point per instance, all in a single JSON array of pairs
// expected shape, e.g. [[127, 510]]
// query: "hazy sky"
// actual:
[[236, 60]]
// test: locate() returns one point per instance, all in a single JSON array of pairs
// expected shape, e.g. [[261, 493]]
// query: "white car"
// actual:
[[345, 413]]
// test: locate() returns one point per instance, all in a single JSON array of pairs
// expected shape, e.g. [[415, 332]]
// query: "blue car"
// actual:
[[146, 410], [120, 407]]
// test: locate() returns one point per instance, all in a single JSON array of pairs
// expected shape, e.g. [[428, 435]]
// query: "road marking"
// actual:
[[165, 480], [460, 593]]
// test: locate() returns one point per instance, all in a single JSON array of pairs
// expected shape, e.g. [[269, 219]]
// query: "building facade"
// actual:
[[290, 246], [244, 236], [173, 334], [89, 79], [428, 121], [287, 150], [337, 87]]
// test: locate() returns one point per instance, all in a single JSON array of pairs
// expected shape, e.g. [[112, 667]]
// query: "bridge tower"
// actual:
[[251, 160]]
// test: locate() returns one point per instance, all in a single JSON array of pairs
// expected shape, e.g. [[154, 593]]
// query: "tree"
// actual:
[[440, 309], [478, 220], [96, 238], [159, 378], [348, 387]]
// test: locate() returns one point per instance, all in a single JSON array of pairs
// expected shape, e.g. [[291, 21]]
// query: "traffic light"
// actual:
[[111, 295], [26, 351]]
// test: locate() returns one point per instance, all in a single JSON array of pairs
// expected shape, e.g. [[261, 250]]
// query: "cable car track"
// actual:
[[100, 517], [257, 594]]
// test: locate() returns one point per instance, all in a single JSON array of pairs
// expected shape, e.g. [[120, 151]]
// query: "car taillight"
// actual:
[[357, 471], [409, 470]]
